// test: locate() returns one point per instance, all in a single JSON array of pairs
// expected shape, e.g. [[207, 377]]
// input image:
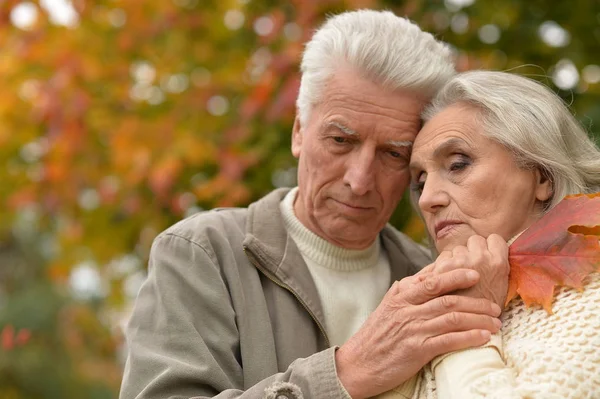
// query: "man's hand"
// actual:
[[487, 256], [415, 322]]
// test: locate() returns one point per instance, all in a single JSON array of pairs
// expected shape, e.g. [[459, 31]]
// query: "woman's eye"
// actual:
[[455, 166], [460, 162], [417, 187], [418, 184]]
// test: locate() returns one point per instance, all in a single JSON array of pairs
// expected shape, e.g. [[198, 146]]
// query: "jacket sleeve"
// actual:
[[182, 337]]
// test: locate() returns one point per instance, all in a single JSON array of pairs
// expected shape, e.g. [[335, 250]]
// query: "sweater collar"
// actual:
[[270, 248], [266, 234], [321, 251]]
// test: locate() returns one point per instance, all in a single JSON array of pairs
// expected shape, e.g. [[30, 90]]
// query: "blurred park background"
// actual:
[[120, 117]]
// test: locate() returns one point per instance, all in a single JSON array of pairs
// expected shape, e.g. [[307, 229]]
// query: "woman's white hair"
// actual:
[[532, 122], [387, 49]]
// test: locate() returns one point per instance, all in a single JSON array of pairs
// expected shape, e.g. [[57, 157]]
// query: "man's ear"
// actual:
[[296, 137], [544, 189]]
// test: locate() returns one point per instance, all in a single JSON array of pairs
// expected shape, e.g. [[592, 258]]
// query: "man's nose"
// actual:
[[360, 172], [434, 196]]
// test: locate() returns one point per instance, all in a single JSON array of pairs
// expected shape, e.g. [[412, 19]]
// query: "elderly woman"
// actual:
[[497, 152]]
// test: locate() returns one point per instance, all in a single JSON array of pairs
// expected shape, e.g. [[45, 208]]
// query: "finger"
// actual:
[[417, 278], [459, 250], [444, 255], [460, 256], [449, 262], [433, 267], [460, 321], [401, 286], [440, 284], [497, 246], [456, 303], [395, 289], [477, 246], [427, 269], [414, 279], [456, 341]]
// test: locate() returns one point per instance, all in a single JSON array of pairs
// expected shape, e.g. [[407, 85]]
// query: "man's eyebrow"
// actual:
[[343, 128], [400, 143]]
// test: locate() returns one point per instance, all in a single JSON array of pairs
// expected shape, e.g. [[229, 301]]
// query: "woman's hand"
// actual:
[[488, 256], [418, 319]]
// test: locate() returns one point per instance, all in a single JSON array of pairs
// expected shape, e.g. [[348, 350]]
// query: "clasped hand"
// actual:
[[452, 304]]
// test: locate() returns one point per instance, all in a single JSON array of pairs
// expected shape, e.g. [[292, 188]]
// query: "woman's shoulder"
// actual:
[[560, 351]]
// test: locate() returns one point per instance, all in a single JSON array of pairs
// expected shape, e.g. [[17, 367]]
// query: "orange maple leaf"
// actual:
[[560, 249]]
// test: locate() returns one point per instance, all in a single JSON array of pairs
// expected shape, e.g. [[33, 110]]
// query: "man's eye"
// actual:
[[395, 154], [340, 140]]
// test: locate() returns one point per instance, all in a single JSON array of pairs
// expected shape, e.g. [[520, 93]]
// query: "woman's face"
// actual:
[[468, 184]]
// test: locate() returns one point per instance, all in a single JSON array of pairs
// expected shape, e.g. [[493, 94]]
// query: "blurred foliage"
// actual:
[[141, 112]]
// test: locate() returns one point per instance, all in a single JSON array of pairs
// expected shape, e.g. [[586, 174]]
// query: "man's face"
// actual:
[[353, 158]]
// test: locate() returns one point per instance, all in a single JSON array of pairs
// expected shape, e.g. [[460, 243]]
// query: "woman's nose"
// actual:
[[434, 196]]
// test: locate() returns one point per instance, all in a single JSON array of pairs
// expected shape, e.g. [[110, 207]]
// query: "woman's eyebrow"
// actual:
[[442, 149], [448, 145]]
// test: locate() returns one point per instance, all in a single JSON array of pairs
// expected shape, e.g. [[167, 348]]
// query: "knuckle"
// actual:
[[431, 285], [445, 341], [454, 319], [442, 265], [460, 259], [479, 240], [397, 287], [458, 250], [448, 302], [496, 237]]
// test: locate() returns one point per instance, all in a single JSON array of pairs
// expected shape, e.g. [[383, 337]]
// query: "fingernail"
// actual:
[[486, 334], [472, 275], [498, 323]]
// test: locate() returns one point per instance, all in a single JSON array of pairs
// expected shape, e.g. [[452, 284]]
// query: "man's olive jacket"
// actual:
[[229, 310]]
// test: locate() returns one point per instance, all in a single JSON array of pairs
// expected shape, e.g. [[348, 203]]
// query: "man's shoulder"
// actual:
[[227, 223], [202, 225]]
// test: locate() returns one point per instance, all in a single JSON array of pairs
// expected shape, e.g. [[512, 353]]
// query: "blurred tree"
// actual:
[[118, 118]]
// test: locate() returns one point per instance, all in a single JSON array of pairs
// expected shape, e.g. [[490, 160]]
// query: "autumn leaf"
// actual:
[[560, 249]]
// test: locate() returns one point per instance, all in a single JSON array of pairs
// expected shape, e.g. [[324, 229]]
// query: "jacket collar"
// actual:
[[276, 254]]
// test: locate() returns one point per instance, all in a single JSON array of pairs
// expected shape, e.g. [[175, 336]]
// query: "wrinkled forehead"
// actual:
[[453, 127]]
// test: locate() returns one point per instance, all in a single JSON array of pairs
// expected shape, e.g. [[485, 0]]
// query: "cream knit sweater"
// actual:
[[541, 356], [350, 283]]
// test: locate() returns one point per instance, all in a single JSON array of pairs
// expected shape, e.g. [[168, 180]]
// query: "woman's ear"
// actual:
[[544, 189], [296, 137]]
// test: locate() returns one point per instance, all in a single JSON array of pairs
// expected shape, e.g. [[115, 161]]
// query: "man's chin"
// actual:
[[353, 236]]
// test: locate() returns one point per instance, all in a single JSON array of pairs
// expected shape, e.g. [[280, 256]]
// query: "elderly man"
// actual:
[[291, 297]]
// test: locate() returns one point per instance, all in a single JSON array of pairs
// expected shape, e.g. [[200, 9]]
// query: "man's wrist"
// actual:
[[346, 372]]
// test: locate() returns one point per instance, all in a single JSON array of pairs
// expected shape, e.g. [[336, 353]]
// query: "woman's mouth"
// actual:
[[445, 227]]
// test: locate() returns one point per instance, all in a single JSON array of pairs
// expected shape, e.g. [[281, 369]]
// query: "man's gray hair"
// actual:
[[382, 47], [532, 122]]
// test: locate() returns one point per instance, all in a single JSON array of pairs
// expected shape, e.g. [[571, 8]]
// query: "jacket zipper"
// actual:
[[267, 274]]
